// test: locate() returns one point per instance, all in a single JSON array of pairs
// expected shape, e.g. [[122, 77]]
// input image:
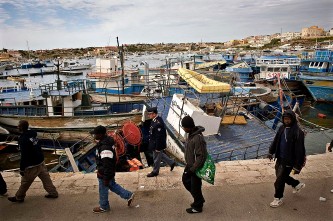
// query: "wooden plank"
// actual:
[[71, 160], [230, 119]]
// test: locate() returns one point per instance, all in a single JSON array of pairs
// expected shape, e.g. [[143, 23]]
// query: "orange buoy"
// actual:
[[320, 115]]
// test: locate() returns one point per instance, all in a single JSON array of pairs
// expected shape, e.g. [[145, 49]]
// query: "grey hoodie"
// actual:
[[195, 149]]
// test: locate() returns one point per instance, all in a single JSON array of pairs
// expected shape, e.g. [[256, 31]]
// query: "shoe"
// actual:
[[298, 187], [51, 196], [276, 202], [100, 210], [130, 200], [331, 190], [192, 210], [172, 166], [14, 200], [152, 174]]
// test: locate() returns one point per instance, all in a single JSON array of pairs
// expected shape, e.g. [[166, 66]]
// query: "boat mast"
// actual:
[[121, 56]]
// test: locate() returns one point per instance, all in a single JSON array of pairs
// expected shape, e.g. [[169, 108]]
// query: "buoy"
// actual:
[[320, 115]]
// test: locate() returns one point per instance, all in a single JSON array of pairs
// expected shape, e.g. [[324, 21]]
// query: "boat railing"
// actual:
[[253, 151]]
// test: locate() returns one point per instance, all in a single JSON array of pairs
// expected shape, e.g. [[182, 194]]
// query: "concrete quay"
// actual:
[[242, 191]]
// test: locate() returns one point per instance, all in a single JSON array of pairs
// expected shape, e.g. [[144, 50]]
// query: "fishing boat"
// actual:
[[63, 108], [74, 65], [317, 73], [127, 141]]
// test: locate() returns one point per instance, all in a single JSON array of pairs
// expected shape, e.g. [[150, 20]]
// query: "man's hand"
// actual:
[[106, 182], [270, 157]]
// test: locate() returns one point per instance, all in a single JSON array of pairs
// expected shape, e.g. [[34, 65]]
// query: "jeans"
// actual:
[[193, 184], [282, 172], [158, 156], [114, 187]]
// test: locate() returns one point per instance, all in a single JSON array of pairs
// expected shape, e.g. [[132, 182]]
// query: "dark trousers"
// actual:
[[282, 172], [3, 185], [193, 184]]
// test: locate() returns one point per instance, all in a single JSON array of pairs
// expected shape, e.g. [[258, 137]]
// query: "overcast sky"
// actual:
[[48, 24]]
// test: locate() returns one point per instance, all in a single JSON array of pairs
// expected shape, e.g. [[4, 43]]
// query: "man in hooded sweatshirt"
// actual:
[[288, 148], [106, 160], [195, 156], [32, 164]]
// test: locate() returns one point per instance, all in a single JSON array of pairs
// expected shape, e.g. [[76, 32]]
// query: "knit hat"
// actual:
[[98, 130], [187, 122]]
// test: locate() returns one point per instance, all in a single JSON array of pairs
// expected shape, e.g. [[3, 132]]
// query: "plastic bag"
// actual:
[[207, 172]]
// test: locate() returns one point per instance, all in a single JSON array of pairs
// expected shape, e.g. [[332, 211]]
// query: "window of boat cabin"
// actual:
[[284, 69]]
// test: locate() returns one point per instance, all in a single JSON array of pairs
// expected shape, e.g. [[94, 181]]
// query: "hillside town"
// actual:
[[308, 38]]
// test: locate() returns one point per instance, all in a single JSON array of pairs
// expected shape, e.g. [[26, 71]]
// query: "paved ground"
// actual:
[[243, 191]]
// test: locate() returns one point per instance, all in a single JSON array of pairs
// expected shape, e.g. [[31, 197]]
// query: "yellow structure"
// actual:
[[313, 31], [203, 84]]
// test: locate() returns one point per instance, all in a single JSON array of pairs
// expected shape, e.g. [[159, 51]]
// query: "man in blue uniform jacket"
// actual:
[[157, 142]]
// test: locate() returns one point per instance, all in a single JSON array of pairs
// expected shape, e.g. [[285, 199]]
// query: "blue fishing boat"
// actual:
[[317, 73]]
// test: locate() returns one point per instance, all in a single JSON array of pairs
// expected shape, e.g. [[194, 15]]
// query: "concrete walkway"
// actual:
[[242, 191]]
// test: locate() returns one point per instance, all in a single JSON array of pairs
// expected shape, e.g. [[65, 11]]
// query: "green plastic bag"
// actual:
[[207, 171]]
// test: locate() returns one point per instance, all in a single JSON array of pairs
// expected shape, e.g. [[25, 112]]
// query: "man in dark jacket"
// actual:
[[157, 142], [195, 156], [106, 159], [289, 150], [32, 164]]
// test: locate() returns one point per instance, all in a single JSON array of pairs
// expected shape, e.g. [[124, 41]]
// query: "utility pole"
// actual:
[[121, 56]]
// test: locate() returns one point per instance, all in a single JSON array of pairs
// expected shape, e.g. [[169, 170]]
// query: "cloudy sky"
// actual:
[[48, 24]]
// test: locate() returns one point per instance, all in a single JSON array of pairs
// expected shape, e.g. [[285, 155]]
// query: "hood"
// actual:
[[291, 114], [197, 130]]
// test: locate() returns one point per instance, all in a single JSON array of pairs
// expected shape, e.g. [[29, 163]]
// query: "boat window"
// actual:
[[270, 69], [320, 64], [284, 69]]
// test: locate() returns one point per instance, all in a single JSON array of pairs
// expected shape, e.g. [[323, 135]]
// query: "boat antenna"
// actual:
[[121, 56]]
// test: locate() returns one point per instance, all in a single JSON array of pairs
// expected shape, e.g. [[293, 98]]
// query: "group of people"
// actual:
[[287, 148]]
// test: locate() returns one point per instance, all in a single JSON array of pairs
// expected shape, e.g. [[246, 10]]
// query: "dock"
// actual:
[[242, 191], [41, 73]]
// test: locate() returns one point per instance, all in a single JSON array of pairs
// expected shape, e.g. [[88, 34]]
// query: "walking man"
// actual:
[[157, 142], [195, 156], [289, 150], [32, 164], [106, 160]]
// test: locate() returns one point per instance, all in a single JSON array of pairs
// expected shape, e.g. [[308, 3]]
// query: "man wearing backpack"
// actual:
[[106, 160], [32, 164]]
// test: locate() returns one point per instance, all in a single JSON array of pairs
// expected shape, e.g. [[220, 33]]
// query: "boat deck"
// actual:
[[234, 142]]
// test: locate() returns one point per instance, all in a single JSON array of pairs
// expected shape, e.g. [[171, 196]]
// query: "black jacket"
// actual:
[[295, 151], [31, 152], [195, 149], [157, 134], [106, 158]]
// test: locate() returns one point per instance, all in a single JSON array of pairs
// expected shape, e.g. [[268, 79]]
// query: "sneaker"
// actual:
[[298, 187], [100, 210], [51, 196], [172, 166], [14, 200], [331, 190], [151, 174], [192, 210], [130, 200], [276, 203]]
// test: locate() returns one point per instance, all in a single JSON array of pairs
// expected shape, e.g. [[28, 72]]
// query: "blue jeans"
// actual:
[[114, 187]]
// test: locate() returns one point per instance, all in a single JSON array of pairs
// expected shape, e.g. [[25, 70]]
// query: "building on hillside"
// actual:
[[313, 31], [290, 35], [331, 32]]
